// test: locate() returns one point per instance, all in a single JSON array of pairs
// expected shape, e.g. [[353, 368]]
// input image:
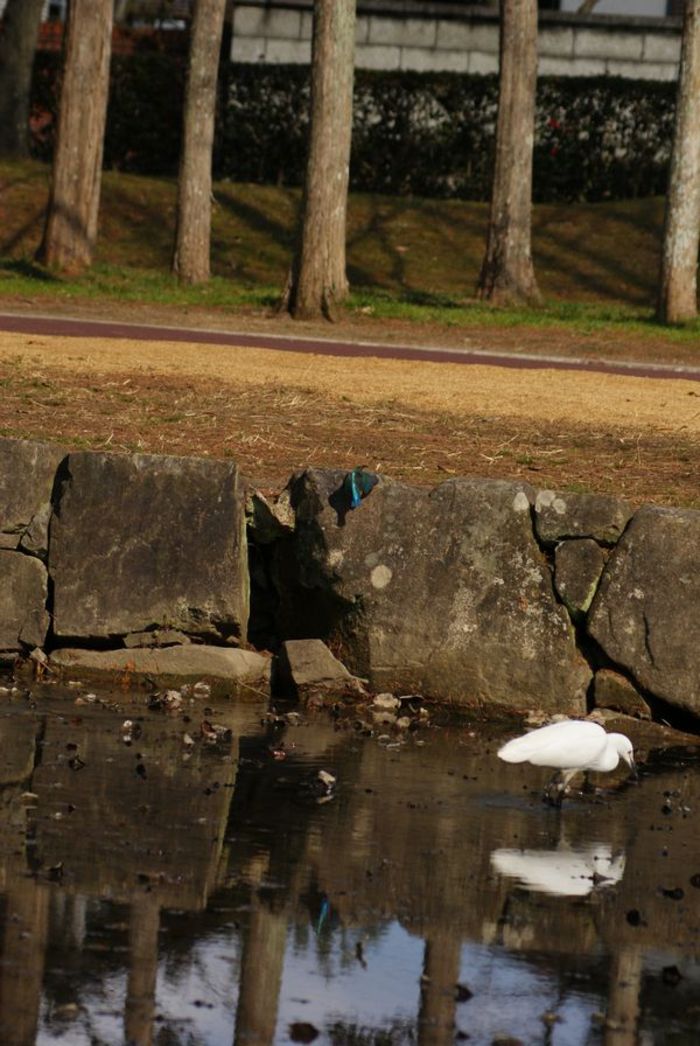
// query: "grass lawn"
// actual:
[[413, 264]]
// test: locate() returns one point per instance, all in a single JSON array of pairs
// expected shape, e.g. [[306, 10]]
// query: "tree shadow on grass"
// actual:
[[28, 269]]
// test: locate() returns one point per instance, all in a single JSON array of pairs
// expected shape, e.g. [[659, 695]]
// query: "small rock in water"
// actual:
[[320, 786], [215, 732], [168, 701], [386, 702], [384, 718]]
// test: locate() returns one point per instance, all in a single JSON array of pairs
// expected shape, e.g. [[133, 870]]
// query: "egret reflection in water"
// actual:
[[564, 872]]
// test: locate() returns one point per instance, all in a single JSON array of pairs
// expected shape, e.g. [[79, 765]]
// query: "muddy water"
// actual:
[[159, 888]]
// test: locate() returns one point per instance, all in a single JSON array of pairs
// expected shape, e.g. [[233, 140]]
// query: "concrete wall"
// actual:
[[433, 36]]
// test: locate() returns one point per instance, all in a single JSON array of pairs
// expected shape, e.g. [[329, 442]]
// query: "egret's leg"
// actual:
[[556, 788]]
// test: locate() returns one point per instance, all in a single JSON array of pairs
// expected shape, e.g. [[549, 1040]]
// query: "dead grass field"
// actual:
[[274, 412]]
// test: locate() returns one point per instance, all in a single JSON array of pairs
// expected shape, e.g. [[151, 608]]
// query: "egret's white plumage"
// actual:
[[568, 747]]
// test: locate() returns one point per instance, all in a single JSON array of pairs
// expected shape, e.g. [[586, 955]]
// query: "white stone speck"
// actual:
[[381, 576]]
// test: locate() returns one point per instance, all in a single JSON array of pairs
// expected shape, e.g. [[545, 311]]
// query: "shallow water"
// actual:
[[157, 888]]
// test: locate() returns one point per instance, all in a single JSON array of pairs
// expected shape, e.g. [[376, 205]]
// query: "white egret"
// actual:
[[569, 746]]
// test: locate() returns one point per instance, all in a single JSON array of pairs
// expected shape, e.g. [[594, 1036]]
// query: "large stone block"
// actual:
[[24, 621], [142, 541], [27, 474], [597, 43], [443, 592], [408, 32], [560, 515], [646, 613]]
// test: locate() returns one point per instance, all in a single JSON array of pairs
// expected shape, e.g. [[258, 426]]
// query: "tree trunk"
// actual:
[[71, 223], [678, 292], [507, 274], [20, 33], [193, 221], [586, 7], [318, 281]]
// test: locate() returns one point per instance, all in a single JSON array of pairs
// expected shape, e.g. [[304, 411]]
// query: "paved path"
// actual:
[[81, 328]]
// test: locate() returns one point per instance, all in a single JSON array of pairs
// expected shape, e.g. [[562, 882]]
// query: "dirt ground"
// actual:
[[420, 422]]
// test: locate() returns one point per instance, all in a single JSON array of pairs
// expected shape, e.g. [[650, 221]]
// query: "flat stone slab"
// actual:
[[23, 591], [140, 542], [230, 671], [307, 665]]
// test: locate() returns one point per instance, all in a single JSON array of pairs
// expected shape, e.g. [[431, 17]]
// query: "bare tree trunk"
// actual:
[[678, 292], [507, 273], [20, 33], [318, 281], [193, 222], [74, 199]]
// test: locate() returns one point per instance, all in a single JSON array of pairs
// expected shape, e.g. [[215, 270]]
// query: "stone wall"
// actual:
[[442, 36], [480, 593]]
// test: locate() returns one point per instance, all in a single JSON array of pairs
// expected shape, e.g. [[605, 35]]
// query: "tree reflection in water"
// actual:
[[167, 892]]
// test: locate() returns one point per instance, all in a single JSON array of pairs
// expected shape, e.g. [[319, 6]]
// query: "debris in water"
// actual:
[[169, 701], [213, 733], [302, 1031], [131, 731]]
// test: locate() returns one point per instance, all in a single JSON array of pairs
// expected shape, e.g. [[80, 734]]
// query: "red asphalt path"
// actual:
[[81, 328]]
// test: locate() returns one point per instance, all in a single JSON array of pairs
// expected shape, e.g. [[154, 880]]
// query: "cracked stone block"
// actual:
[[560, 515], [444, 592], [24, 621], [27, 476], [578, 565], [646, 612], [142, 542], [614, 691]]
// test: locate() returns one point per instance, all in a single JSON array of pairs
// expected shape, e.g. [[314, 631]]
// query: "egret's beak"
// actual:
[[634, 772]]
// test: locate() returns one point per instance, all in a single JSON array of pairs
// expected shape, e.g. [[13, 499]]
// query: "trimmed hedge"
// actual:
[[428, 134]]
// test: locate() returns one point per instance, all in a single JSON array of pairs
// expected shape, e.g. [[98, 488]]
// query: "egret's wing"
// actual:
[[563, 746]]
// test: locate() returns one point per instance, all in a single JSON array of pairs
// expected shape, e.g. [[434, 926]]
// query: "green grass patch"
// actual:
[[411, 260]]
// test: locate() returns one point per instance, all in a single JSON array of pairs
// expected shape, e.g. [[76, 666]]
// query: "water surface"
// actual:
[[159, 888]]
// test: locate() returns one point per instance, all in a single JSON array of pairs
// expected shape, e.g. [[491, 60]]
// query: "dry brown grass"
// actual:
[[422, 423]]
